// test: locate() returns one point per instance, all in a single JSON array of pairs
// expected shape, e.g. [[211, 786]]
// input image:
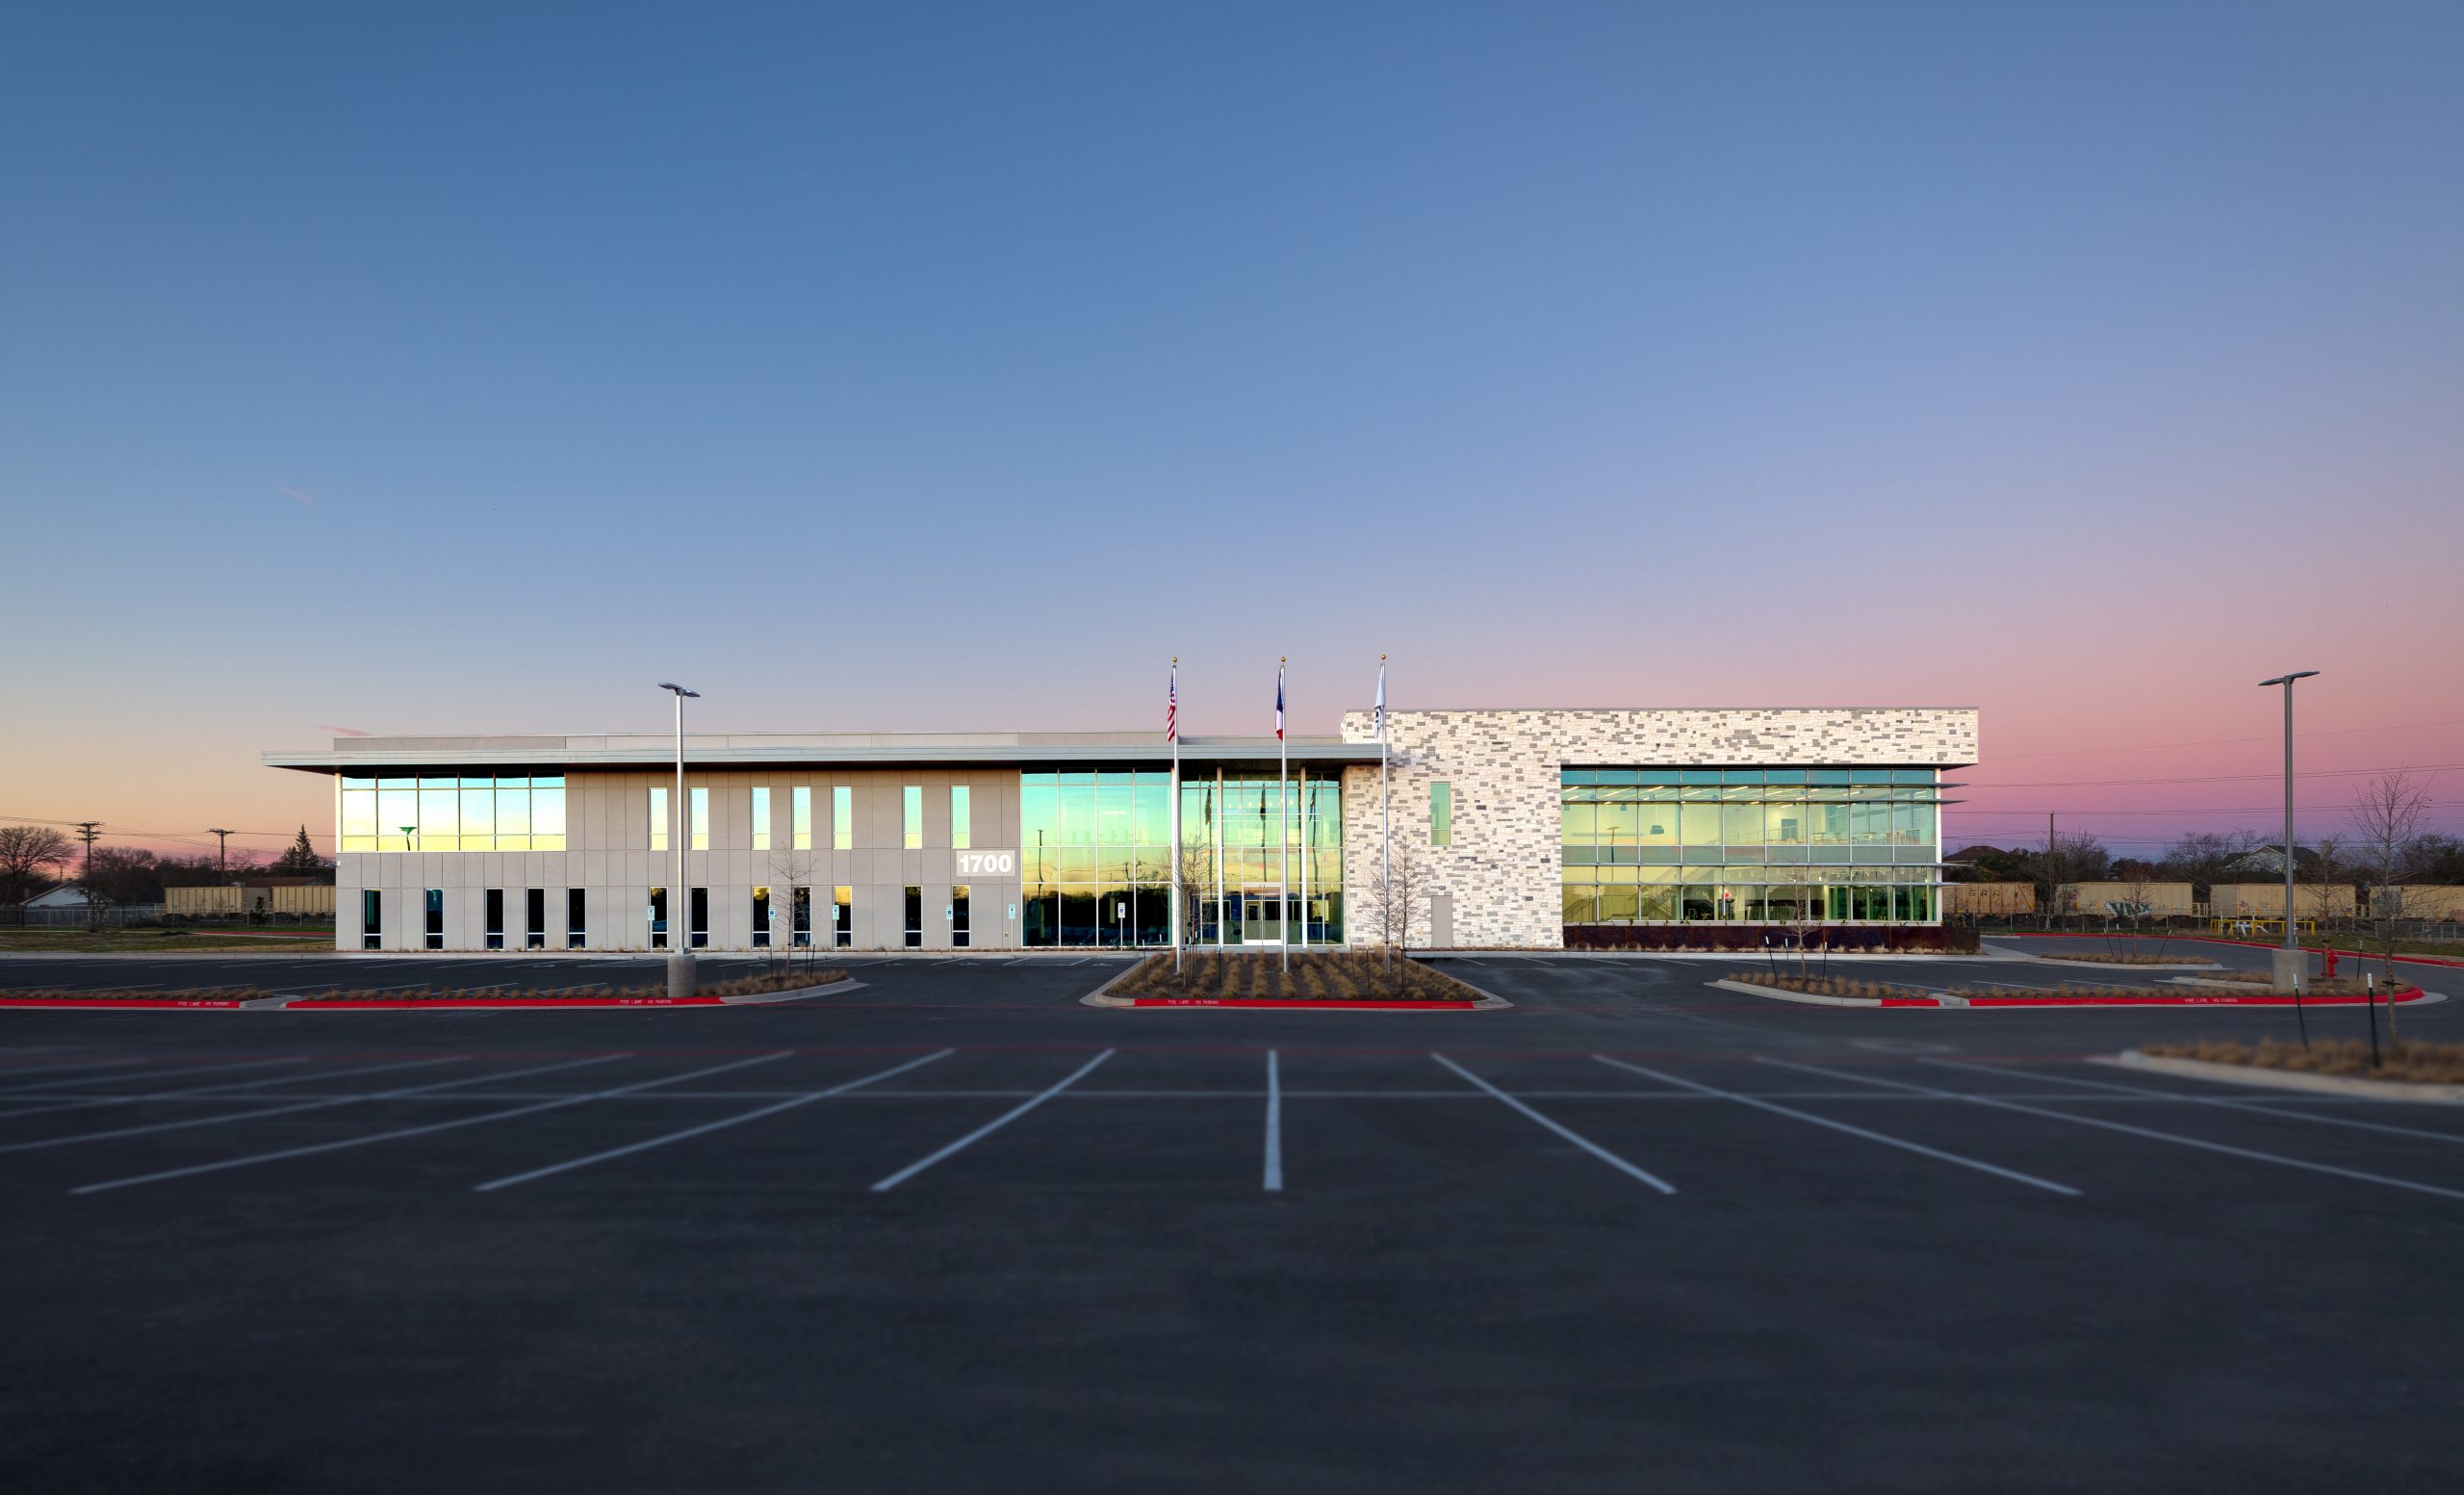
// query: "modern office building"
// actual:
[[1509, 829]]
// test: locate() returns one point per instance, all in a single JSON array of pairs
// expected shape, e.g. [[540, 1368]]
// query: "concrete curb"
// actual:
[[2060, 964], [2285, 1079], [793, 994], [1808, 997]]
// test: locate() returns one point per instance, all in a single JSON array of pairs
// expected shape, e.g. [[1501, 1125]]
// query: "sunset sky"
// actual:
[[435, 369]]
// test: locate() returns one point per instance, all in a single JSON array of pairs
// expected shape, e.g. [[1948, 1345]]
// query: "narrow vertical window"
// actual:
[[1440, 813], [912, 803], [961, 830], [915, 918], [576, 920], [762, 918], [495, 919], [701, 907], [435, 933], [843, 916], [534, 918], [959, 898], [659, 817], [842, 817], [800, 903], [701, 819], [800, 807], [658, 918], [371, 919], [761, 817]]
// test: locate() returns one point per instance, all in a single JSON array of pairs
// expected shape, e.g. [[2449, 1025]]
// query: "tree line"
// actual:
[[34, 858]]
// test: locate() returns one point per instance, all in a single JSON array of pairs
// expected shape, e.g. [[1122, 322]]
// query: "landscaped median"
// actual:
[[1852, 991], [769, 987], [1361, 981], [2343, 1066]]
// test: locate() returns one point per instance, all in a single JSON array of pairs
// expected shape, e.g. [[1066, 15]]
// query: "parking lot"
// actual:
[[953, 1229]]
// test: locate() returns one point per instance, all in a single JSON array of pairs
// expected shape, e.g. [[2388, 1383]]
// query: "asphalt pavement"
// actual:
[[953, 1230]]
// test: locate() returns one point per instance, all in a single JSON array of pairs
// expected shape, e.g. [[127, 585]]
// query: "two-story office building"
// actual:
[[1495, 829]]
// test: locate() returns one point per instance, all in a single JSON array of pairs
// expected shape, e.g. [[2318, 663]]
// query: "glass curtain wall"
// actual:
[[460, 813], [1751, 845], [1096, 867]]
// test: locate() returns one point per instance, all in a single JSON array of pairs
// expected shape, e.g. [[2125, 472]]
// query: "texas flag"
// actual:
[[1278, 703]]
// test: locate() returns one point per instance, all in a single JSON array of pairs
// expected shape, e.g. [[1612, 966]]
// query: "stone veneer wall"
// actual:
[[1503, 872]]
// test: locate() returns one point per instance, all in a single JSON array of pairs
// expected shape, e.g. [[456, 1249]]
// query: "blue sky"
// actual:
[[432, 368]]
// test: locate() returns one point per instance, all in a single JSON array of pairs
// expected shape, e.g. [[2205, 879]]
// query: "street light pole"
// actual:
[[679, 954], [2288, 959]]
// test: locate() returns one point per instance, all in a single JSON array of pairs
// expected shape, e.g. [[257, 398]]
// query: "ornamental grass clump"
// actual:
[[198, 994], [2109, 958], [1824, 986], [1355, 976], [2412, 1063], [741, 986]]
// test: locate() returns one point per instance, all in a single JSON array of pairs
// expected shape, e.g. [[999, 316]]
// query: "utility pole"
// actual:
[[222, 848], [2052, 888], [89, 831]]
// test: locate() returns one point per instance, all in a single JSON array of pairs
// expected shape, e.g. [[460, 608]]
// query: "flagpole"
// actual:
[[1283, 818], [1175, 871]]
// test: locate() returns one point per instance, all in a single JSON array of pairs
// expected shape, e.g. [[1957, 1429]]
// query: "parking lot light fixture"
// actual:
[[2288, 959], [679, 954]]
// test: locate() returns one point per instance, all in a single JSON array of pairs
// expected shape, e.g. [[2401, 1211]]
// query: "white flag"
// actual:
[[1377, 723]]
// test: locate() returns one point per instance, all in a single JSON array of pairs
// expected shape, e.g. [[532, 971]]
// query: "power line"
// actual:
[[2158, 747], [2211, 778]]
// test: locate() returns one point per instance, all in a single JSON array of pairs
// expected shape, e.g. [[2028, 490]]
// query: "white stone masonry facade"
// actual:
[[1503, 872]]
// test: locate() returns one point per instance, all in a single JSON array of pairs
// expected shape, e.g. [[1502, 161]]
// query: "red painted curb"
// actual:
[[1297, 1002], [424, 1003], [2246, 945], [2408, 994], [118, 1001]]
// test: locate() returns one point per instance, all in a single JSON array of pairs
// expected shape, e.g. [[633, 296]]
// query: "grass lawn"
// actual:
[[165, 942]]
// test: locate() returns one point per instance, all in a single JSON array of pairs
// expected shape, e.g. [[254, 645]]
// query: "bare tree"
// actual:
[[789, 870], [1194, 878], [2387, 815], [28, 854], [2327, 874], [2137, 900], [1393, 891]]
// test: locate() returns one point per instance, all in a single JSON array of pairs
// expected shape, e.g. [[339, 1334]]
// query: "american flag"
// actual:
[[1172, 707], [1278, 703]]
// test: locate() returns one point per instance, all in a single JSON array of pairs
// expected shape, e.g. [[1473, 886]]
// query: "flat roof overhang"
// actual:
[[376, 755]]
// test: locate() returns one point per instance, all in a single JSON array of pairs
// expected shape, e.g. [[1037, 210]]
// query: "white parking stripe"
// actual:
[[1578, 1140], [186, 1069], [1920, 1148], [167, 1094], [989, 1128], [1274, 1127], [707, 1127], [243, 1116], [2226, 1103], [361, 1142], [67, 1068], [2200, 1143]]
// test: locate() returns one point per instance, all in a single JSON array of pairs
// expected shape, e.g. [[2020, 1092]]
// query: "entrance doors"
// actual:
[[1259, 924]]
